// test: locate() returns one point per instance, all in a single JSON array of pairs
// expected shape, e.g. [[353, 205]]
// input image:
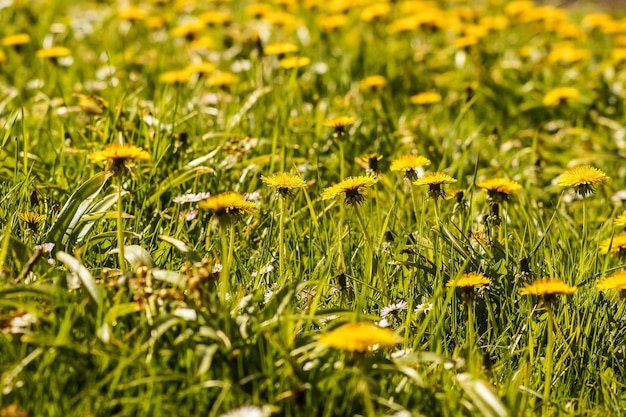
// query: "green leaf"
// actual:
[[83, 274], [483, 396], [75, 207]]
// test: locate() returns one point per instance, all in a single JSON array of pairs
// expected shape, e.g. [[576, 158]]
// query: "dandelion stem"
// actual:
[[228, 243], [548, 360], [471, 365], [281, 241], [120, 227]]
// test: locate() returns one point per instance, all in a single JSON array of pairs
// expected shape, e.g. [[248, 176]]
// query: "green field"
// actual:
[[307, 207]]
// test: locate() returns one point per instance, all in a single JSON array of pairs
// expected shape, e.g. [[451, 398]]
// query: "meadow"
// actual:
[[285, 208]]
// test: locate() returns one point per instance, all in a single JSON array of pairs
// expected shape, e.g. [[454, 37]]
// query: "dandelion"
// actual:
[[132, 13], [215, 18], [615, 246], [583, 179], [352, 187], [339, 123], [53, 52], [31, 219], [118, 156], [280, 48], [175, 77], [371, 162], [330, 23], [620, 220], [373, 82], [560, 95], [284, 183], [500, 189], [228, 207], [470, 281], [429, 97], [200, 68], [359, 337], [547, 288], [223, 80], [409, 164], [189, 30], [16, 40], [616, 281], [294, 62], [435, 180]]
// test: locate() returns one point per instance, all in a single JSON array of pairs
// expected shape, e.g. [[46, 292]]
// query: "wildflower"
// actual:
[[373, 82], [175, 77], [548, 288], [228, 207], [352, 187], [499, 189], [118, 156], [191, 198], [53, 52], [409, 165], [215, 18], [470, 280], [423, 308], [249, 411], [620, 220], [567, 54], [200, 68], [339, 124], [583, 179], [280, 48], [3, 57], [615, 246], [223, 80], [435, 180], [284, 182], [428, 97], [559, 95], [132, 13], [371, 162], [45, 247], [263, 271], [294, 62], [329, 23], [375, 11], [188, 30], [393, 309], [31, 219], [16, 40], [616, 281], [359, 337]]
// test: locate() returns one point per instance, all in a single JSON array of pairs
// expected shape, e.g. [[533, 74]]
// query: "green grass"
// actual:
[[82, 335]]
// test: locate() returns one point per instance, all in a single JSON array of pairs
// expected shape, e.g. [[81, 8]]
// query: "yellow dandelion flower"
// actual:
[[352, 187], [339, 122], [53, 52], [375, 11], [548, 288], [132, 13], [280, 48], [200, 68], [228, 207], [332, 22], [258, 10], [215, 18], [620, 220], [294, 62], [470, 280], [31, 219], [373, 82], [119, 156], [370, 162], [175, 77], [616, 281], [284, 182], [16, 40], [3, 57], [223, 79], [428, 97], [560, 95], [583, 179], [188, 30], [359, 337], [568, 54], [499, 189], [615, 246], [435, 180], [409, 164]]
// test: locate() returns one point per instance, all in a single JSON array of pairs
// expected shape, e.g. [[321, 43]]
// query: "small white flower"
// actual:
[[393, 308], [216, 269], [383, 323], [45, 247], [191, 198], [267, 296], [265, 270], [249, 411], [21, 324], [424, 308]]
